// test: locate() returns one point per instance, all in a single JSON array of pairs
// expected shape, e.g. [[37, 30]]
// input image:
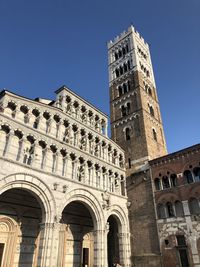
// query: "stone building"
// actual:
[[136, 126], [176, 179], [62, 185], [168, 184]]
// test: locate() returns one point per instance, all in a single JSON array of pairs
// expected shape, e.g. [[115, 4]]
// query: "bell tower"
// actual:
[[136, 123], [136, 126]]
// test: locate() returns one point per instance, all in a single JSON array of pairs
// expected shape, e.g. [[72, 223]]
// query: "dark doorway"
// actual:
[[182, 249], [113, 242], [85, 262], [1, 252], [183, 258]]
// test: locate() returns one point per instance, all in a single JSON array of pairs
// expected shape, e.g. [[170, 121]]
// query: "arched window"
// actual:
[[125, 88], [161, 211], [120, 53], [127, 49], [123, 51], [154, 134], [173, 179], [116, 56], [128, 134], [117, 73], [129, 65], [123, 109], [194, 206], [196, 172], [188, 176], [120, 90], [125, 67], [151, 110], [121, 70], [128, 86], [157, 184], [128, 108], [149, 91], [165, 182], [170, 210], [179, 208]]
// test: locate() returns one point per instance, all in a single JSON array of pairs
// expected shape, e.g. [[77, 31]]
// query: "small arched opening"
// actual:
[[196, 172], [188, 176]]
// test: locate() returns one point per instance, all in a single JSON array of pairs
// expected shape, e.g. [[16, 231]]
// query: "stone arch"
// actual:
[[118, 226], [8, 235], [90, 200], [171, 197], [120, 215], [36, 187], [193, 163]]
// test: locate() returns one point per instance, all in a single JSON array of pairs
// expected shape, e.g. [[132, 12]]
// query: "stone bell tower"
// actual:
[[136, 126], [136, 123]]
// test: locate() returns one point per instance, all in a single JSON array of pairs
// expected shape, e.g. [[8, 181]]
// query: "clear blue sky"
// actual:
[[47, 43]]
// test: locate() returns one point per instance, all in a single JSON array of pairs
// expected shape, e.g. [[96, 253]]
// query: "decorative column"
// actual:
[[99, 248], [48, 245], [9, 137], [124, 249]]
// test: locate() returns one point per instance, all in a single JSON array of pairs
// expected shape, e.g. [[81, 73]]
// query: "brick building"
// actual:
[[176, 186]]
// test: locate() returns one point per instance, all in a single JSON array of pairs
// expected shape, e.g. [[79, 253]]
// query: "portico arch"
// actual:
[[28, 203], [36, 187], [118, 239], [86, 226]]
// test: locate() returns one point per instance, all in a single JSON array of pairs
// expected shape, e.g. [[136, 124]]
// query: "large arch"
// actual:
[[36, 187], [33, 188], [90, 202], [118, 225]]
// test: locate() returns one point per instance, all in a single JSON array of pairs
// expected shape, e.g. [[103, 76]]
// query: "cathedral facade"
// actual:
[[70, 196], [62, 185]]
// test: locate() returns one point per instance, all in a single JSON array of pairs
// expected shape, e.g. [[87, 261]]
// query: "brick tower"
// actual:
[[136, 126]]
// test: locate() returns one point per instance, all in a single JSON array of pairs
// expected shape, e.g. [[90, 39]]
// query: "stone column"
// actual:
[[99, 248], [48, 245], [8, 145], [124, 249], [106, 245], [106, 129]]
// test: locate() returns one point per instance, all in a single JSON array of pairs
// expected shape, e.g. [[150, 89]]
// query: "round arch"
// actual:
[[118, 237], [36, 187], [91, 202], [120, 215]]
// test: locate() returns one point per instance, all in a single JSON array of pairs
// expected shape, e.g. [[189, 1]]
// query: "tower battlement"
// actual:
[[125, 34]]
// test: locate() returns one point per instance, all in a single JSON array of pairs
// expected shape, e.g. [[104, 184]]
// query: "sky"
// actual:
[[45, 44]]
